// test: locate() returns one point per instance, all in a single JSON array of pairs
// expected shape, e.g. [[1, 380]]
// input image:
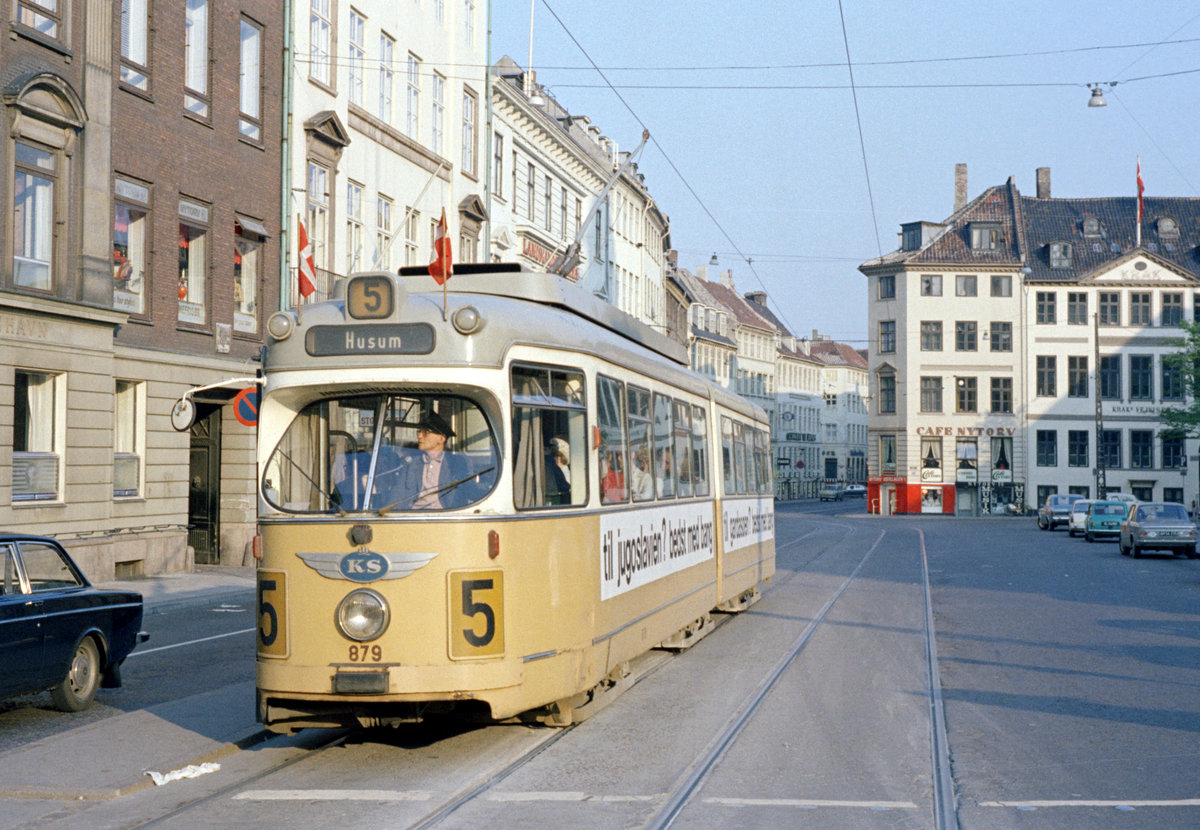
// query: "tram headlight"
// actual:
[[467, 320], [363, 615], [280, 325]]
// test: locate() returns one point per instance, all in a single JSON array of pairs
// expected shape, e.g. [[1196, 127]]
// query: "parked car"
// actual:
[[1078, 521], [830, 492], [1125, 497], [58, 631], [858, 490], [1104, 519], [1057, 510], [1156, 525]]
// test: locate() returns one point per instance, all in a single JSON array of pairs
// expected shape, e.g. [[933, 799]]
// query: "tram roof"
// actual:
[[514, 280]]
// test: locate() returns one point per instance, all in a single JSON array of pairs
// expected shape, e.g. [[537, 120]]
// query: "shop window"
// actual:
[[128, 437], [193, 265], [247, 267], [131, 247]]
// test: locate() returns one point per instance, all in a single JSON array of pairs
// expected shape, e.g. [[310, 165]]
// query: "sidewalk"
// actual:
[[205, 581]]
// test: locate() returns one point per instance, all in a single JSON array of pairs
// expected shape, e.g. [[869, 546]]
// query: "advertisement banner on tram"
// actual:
[[638, 547]]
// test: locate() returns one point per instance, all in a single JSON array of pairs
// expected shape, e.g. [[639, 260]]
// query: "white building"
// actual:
[[551, 173], [1019, 351], [386, 132]]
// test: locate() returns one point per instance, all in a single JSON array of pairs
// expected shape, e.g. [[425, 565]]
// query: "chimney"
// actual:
[[1043, 182], [759, 297], [727, 279], [960, 187]]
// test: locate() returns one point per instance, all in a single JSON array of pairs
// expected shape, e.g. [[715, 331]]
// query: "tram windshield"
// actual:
[[383, 453]]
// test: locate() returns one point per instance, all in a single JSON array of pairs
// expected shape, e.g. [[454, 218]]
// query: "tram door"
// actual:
[[204, 485]]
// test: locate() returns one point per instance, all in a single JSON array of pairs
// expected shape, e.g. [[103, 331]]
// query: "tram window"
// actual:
[[699, 451], [367, 453], [610, 408], [641, 478], [739, 459], [664, 469], [683, 449], [727, 456], [762, 462], [549, 450]]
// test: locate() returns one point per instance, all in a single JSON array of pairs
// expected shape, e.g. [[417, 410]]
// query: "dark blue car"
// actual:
[[57, 631]]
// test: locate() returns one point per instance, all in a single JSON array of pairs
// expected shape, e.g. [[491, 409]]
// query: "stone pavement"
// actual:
[[204, 582]]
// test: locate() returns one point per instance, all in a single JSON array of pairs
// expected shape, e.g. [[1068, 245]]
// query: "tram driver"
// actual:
[[429, 478]]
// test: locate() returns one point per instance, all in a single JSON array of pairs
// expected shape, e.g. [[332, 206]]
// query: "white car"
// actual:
[[856, 489], [1077, 523]]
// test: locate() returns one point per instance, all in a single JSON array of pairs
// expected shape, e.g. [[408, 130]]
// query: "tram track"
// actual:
[[687, 787]]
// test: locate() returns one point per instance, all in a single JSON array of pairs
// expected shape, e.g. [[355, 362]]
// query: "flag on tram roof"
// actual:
[[308, 273], [441, 266]]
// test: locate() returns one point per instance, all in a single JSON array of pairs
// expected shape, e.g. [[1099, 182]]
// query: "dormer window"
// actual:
[[1091, 226], [985, 236], [1060, 254], [1168, 229], [910, 238]]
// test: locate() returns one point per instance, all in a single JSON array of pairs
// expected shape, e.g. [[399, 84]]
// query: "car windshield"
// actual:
[[1109, 510], [1153, 512], [369, 453]]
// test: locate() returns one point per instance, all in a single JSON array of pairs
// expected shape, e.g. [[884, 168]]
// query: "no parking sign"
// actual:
[[245, 406]]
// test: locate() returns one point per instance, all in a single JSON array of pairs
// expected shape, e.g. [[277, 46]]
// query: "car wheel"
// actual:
[[1089, 537], [1041, 524], [1190, 553], [1134, 550], [78, 688], [1121, 547], [1071, 532]]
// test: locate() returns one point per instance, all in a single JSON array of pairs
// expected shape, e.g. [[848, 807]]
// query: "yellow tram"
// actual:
[[486, 501]]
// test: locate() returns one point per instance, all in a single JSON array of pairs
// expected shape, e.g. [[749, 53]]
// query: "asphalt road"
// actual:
[[1067, 680]]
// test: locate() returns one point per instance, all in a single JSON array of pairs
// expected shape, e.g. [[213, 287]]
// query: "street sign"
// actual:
[[245, 406]]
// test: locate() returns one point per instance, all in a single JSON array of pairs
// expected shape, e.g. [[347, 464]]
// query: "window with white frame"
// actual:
[[35, 182], [128, 441], [193, 262], [383, 232], [250, 118], [195, 58], [354, 227], [357, 39], [387, 48], [320, 39], [437, 113], [547, 198], [135, 44], [36, 449], [498, 165], [317, 215], [412, 224], [469, 21], [470, 116], [412, 121]]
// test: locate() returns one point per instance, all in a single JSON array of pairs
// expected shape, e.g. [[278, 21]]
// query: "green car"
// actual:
[[1104, 519]]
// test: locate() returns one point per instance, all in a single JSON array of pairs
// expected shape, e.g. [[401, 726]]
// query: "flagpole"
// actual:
[[1140, 188]]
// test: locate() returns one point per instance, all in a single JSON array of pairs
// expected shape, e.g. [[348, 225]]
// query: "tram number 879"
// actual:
[[477, 624]]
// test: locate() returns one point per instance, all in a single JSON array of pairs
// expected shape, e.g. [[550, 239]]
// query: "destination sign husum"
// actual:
[[378, 338]]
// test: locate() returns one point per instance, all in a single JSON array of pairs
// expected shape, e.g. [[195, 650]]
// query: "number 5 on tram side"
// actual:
[[486, 503]]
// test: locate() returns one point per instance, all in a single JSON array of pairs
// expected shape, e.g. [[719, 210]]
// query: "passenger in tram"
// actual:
[[558, 472], [426, 479], [664, 476], [639, 477], [612, 478]]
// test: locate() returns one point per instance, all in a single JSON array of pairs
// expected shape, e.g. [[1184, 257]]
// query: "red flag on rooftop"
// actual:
[[441, 266], [1141, 189], [308, 273]]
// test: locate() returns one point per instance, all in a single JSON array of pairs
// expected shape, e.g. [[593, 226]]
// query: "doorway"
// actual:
[[204, 485]]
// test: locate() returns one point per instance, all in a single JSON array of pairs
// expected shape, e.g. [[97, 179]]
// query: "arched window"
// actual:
[[46, 117]]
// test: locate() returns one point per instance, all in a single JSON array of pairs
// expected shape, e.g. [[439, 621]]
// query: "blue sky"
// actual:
[[774, 158]]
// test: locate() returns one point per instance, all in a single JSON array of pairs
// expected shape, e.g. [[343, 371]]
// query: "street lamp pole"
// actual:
[[1101, 483]]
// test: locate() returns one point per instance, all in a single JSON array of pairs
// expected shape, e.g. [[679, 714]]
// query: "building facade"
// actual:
[[141, 155], [1018, 351]]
